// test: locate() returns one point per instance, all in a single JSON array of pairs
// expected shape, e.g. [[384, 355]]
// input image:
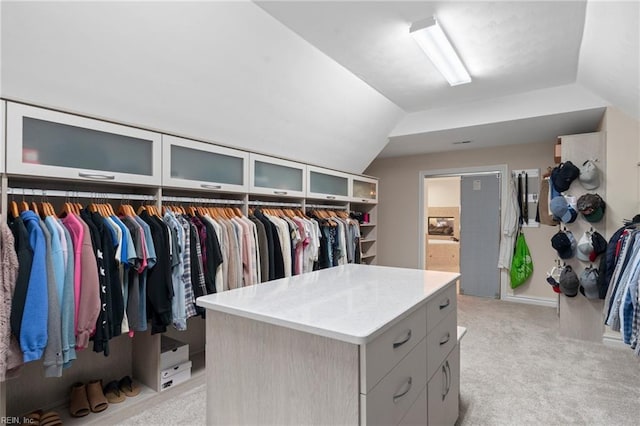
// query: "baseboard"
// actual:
[[530, 300], [615, 341]]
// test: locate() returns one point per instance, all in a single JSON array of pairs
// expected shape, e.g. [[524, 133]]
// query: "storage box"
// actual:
[[175, 375], [176, 369], [172, 352]]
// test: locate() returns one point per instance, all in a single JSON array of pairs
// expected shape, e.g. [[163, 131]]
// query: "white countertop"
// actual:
[[351, 303]]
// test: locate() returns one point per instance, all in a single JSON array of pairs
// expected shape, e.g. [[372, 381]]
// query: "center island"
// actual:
[[353, 344]]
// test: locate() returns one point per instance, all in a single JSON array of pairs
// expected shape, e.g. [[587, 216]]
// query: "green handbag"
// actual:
[[521, 265]]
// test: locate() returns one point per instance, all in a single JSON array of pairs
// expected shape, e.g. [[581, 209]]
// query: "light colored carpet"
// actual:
[[515, 370]]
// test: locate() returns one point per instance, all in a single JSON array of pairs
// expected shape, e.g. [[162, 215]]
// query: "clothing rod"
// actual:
[[200, 200], [274, 204], [326, 207], [77, 194]]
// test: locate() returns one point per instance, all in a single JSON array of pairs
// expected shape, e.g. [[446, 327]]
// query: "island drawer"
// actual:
[[440, 341], [440, 306], [379, 356], [390, 400]]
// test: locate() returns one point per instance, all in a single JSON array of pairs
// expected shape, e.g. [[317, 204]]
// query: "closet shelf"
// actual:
[[131, 406], [368, 240], [367, 224], [366, 256]]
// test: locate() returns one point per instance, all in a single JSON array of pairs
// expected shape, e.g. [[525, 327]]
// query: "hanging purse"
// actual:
[[521, 265]]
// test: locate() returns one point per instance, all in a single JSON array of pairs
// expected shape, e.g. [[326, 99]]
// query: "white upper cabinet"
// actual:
[[47, 143], [197, 165], [276, 177], [3, 144], [364, 190], [327, 184]]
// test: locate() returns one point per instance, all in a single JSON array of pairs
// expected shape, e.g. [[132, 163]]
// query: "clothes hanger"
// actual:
[[14, 209]]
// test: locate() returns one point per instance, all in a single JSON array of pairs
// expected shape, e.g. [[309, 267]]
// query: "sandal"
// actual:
[[50, 419], [79, 404], [97, 401], [33, 418], [112, 392], [128, 387]]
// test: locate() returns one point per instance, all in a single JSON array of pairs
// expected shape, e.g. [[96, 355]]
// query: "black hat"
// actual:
[[564, 243], [599, 245], [569, 282], [563, 175]]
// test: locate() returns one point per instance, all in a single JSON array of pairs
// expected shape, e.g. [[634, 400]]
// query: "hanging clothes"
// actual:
[[10, 358], [618, 280]]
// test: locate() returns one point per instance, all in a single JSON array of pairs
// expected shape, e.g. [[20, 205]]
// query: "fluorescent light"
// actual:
[[429, 35]]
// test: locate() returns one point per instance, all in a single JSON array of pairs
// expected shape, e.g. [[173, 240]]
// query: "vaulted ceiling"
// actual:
[[539, 68], [331, 83]]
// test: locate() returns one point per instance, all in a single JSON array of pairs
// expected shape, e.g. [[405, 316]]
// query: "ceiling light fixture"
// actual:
[[429, 35]]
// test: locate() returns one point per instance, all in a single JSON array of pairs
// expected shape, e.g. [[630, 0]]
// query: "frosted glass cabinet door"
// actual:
[[273, 176], [47, 143], [327, 184], [198, 165], [364, 190]]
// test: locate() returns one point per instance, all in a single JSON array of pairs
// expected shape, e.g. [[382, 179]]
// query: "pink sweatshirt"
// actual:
[[76, 231], [89, 306]]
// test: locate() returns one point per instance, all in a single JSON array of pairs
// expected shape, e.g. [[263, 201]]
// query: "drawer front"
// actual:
[[417, 414], [440, 306], [176, 369], [390, 400], [378, 357], [440, 341], [443, 391]]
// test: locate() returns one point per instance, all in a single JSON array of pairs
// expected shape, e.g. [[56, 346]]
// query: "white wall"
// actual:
[[443, 192], [225, 72]]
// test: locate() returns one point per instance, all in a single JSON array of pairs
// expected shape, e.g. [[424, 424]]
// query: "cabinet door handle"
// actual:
[[397, 396], [280, 192], [447, 370], [446, 339], [331, 197], [403, 341], [365, 201], [207, 186], [96, 176], [444, 382], [445, 304]]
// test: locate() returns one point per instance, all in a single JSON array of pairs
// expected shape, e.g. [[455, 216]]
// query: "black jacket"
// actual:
[[25, 259]]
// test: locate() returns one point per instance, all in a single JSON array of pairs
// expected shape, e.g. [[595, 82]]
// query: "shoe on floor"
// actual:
[[50, 418], [79, 403], [97, 400], [128, 386], [112, 392]]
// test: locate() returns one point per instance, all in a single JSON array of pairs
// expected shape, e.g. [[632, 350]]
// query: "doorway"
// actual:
[[473, 197]]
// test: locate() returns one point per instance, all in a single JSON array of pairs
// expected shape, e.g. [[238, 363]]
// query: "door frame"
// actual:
[[501, 169]]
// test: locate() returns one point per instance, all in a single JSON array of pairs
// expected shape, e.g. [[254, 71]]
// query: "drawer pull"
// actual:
[[447, 372], [280, 192], [445, 304], [96, 176], [445, 382], [446, 340], [405, 340], [397, 396], [207, 186], [331, 197]]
